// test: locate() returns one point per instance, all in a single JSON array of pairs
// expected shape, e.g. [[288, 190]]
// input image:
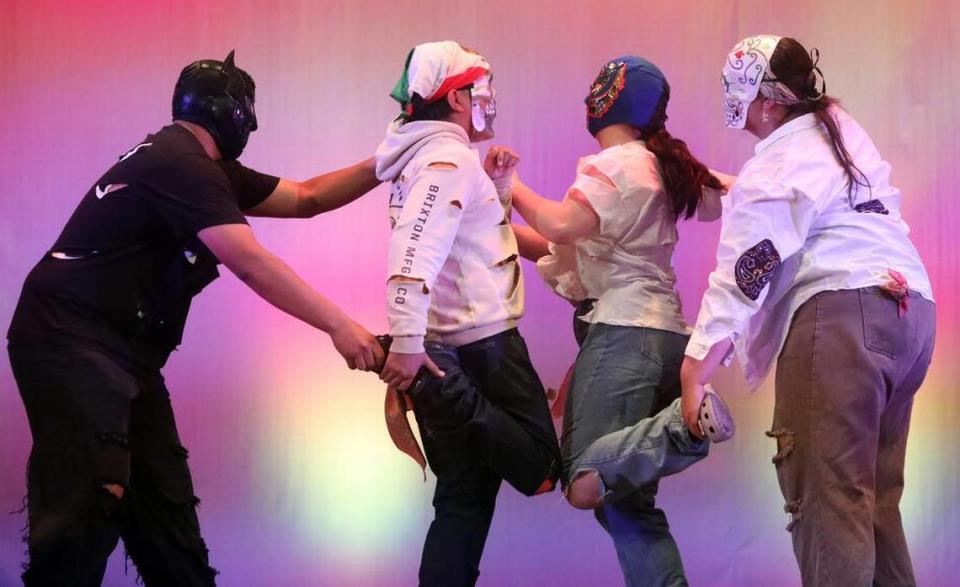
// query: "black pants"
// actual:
[[486, 421], [95, 423]]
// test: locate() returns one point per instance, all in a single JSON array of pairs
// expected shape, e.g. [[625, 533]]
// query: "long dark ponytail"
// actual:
[[684, 176], [796, 68]]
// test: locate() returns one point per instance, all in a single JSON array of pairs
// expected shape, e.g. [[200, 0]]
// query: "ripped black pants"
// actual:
[[96, 423]]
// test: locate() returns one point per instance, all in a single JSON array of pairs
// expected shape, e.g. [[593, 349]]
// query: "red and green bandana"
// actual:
[[433, 69]]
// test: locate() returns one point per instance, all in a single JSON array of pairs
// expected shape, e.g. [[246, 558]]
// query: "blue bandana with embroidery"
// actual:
[[627, 91]]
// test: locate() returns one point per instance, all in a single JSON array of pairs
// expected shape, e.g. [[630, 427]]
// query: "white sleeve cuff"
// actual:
[[699, 346], [408, 345], [504, 187], [503, 184]]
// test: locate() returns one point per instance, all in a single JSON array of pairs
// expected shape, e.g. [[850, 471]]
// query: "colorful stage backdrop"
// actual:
[[299, 481]]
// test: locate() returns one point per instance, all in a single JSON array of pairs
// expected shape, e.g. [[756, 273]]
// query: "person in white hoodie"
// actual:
[[454, 296], [815, 269]]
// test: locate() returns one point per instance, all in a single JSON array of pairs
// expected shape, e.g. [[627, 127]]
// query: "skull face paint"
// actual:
[[483, 109]]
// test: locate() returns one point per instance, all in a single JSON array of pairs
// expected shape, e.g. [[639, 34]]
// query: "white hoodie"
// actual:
[[451, 242]]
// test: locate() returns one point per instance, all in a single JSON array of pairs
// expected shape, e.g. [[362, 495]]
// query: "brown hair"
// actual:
[[684, 176], [792, 65]]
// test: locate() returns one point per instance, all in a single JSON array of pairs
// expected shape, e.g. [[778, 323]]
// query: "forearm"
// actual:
[[554, 221], [533, 207], [335, 189], [274, 281], [531, 245]]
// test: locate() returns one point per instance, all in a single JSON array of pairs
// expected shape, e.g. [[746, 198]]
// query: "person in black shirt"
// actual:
[[101, 312]]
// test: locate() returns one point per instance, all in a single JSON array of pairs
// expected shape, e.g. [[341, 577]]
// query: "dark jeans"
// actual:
[[486, 421], [846, 378], [95, 422]]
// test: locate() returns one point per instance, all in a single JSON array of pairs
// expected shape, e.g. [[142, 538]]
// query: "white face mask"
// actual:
[[483, 109], [743, 74]]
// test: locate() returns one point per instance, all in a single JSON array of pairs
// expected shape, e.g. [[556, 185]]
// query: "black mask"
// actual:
[[219, 97]]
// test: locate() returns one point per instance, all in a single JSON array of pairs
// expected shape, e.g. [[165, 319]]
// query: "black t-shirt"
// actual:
[[127, 264]]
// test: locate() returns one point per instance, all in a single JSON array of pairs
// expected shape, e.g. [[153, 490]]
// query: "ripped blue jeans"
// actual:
[[623, 420]]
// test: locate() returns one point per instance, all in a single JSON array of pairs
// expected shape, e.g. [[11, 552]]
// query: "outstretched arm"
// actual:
[[274, 281], [531, 245], [558, 222], [293, 199]]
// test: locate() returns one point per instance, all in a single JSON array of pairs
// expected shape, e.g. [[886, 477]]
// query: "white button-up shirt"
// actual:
[[789, 232]]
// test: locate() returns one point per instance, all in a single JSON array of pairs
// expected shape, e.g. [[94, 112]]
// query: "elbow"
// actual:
[[309, 204], [307, 207], [245, 274], [561, 235], [248, 268]]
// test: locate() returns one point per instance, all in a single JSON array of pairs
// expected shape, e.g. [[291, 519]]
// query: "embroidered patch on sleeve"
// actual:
[[755, 267], [875, 206]]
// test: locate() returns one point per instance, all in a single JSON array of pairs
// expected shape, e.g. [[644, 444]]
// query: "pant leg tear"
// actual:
[[25, 530], [24, 534], [604, 492], [793, 508], [180, 532], [785, 443]]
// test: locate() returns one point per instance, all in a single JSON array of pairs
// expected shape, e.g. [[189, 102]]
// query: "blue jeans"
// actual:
[[622, 377]]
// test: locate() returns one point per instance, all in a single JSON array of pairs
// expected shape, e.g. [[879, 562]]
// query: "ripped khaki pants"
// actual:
[[845, 383]]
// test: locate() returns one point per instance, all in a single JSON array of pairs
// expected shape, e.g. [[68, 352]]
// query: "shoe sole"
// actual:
[[716, 421]]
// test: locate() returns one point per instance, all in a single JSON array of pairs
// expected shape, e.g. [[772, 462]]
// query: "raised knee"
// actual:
[[586, 491], [114, 489]]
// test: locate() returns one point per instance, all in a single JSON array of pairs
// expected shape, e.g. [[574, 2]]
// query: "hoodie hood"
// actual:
[[404, 141]]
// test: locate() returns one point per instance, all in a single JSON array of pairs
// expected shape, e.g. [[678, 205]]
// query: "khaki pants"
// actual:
[[844, 391]]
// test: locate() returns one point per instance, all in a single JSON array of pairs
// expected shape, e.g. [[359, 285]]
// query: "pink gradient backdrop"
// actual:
[[301, 485]]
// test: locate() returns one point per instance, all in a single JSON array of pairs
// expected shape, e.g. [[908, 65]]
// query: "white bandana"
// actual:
[[433, 69]]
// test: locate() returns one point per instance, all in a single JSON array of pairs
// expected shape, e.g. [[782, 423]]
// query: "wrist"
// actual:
[[336, 324], [690, 373], [504, 183]]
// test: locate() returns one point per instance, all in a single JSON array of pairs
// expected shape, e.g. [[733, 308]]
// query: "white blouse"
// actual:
[[790, 232], [627, 265]]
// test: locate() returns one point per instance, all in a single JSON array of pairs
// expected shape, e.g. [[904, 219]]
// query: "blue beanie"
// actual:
[[627, 91]]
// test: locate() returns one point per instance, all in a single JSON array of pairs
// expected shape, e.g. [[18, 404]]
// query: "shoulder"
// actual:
[[449, 150], [446, 155], [199, 166], [792, 160], [630, 167]]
